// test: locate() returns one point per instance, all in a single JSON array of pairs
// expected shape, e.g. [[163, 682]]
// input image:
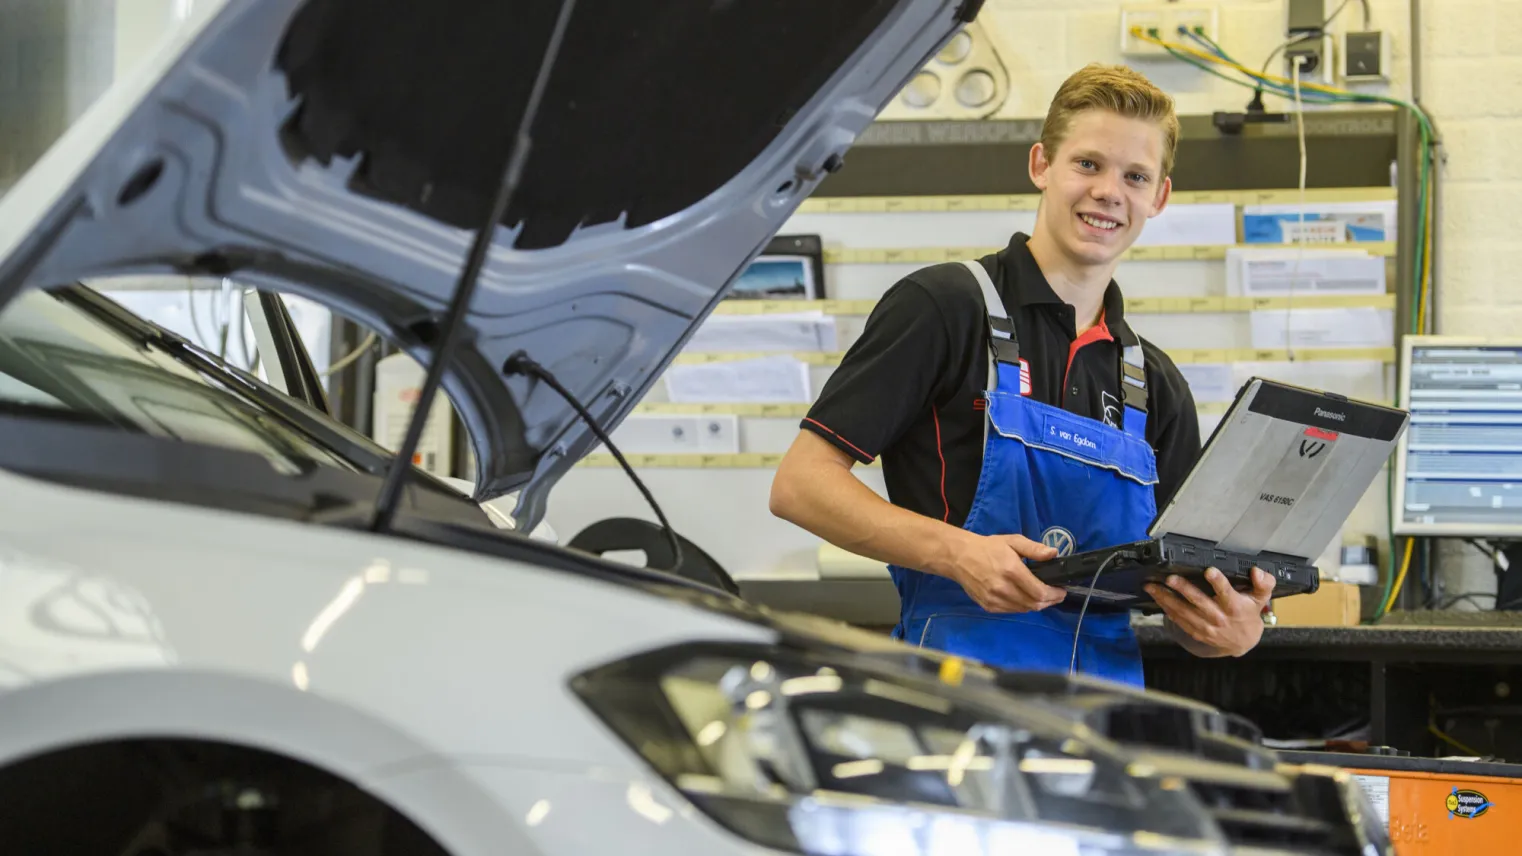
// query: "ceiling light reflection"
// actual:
[[332, 612], [811, 684], [710, 733], [643, 801], [853, 769]]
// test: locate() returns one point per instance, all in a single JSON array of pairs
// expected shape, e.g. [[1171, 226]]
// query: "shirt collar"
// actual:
[[1023, 284]]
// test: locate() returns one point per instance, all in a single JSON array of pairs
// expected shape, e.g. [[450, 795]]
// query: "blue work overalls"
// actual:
[[1065, 480]]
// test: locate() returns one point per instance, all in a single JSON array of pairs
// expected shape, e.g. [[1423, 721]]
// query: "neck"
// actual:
[[1079, 284]]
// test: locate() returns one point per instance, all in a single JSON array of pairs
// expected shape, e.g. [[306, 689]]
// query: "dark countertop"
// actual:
[[1407, 764], [1363, 638], [873, 603]]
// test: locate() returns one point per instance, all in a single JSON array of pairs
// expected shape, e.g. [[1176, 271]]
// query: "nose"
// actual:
[[1106, 188]]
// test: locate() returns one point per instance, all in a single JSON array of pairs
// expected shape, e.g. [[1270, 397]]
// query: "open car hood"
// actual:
[[347, 150]]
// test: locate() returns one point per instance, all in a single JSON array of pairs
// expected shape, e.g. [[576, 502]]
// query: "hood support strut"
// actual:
[[449, 337]]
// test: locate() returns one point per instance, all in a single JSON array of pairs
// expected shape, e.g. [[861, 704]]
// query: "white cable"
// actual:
[[1078, 629], [343, 362], [1294, 277]]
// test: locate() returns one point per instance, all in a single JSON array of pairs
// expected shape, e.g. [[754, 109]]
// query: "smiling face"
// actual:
[[1099, 186]]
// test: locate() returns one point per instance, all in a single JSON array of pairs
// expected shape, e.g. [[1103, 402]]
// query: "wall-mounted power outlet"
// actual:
[[1163, 21], [1366, 57], [1316, 57]]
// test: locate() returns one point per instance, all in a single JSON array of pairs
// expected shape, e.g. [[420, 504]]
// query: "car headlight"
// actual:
[[1367, 833], [796, 753]]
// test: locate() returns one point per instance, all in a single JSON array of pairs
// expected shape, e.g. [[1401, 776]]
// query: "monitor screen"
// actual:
[[1459, 466]]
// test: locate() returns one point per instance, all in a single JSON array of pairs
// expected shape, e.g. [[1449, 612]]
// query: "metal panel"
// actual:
[[1348, 148]]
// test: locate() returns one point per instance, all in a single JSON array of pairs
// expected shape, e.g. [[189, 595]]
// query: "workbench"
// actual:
[[1390, 685]]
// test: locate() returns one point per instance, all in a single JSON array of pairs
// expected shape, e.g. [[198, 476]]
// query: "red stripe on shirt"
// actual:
[[1100, 332], [946, 518], [832, 433]]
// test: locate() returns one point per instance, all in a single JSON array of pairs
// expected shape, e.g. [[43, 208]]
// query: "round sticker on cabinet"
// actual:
[[1467, 804]]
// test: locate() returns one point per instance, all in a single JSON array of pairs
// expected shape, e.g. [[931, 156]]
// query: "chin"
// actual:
[[1097, 253]]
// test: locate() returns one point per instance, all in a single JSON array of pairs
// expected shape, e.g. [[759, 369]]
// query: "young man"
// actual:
[[962, 377]]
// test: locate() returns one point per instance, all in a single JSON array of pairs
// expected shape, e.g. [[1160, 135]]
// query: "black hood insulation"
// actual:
[[652, 105]]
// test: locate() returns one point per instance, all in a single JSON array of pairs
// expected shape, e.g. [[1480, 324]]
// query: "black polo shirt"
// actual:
[[910, 389]]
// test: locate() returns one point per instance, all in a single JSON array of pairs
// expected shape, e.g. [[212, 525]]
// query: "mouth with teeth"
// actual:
[[1099, 222]]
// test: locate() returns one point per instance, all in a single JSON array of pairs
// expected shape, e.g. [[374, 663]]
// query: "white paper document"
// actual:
[[792, 331], [1288, 272], [1323, 328], [767, 380], [1190, 225], [1209, 382], [1365, 379]]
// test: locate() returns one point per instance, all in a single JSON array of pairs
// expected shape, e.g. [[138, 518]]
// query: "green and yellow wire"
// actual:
[[1204, 60]]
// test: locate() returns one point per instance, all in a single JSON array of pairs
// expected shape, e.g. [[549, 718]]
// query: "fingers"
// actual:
[[1028, 549], [1225, 594], [1039, 593], [1201, 601], [1181, 611], [1227, 624], [1017, 590], [1262, 587]]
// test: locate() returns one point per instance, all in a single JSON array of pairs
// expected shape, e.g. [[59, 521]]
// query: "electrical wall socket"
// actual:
[[1319, 64], [1162, 21], [1366, 56]]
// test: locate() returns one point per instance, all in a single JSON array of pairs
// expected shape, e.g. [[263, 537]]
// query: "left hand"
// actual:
[[1227, 625]]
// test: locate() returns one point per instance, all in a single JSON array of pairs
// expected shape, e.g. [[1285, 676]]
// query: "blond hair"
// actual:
[[1115, 88]]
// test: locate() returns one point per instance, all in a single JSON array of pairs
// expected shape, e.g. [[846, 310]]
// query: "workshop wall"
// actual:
[[1470, 84]]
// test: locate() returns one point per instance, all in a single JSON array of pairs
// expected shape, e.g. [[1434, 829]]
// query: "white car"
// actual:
[[221, 633]]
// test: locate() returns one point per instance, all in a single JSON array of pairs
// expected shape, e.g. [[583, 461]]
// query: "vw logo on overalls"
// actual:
[[1059, 539]]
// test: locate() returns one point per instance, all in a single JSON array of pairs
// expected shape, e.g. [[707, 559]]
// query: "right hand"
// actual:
[[991, 569]]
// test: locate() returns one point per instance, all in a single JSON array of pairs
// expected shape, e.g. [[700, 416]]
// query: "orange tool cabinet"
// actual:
[[1437, 807]]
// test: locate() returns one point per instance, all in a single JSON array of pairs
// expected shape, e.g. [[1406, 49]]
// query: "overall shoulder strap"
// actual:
[[1003, 344], [1133, 390]]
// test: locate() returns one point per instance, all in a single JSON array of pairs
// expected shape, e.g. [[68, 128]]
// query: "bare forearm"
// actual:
[[829, 501]]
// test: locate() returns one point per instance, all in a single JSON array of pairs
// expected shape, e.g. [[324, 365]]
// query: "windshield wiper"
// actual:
[[454, 320], [294, 416]]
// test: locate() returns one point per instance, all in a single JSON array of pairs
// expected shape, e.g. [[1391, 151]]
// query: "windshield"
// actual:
[[60, 359]]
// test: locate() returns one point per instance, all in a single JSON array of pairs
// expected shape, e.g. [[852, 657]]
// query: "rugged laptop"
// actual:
[[1276, 480]]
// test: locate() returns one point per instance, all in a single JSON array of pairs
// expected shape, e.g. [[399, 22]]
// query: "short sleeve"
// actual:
[[888, 377]]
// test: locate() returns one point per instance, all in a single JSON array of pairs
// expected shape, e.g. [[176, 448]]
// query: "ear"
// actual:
[[1164, 191], [1039, 166]]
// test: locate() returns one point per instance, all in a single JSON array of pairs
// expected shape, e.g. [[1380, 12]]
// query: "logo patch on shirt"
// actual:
[[1025, 377], [1111, 408]]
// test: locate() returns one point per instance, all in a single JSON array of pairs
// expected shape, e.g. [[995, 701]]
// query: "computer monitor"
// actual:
[[1459, 465]]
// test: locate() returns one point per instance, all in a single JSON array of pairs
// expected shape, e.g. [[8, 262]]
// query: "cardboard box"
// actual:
[[1333, 605]]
